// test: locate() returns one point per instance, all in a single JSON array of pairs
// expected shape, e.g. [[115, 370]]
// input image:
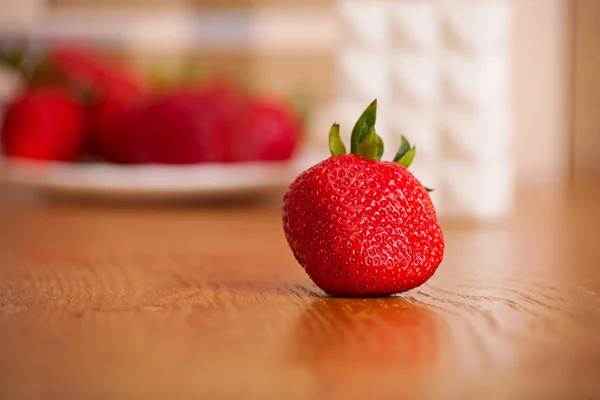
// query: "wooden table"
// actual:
[[207, 302]]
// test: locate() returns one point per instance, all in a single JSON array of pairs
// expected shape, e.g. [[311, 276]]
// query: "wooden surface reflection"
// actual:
[[100, 301]]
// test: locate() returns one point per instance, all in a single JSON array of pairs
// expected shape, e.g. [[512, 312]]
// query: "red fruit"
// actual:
[[102, 116], [181, 127], [360, 226], [44, 124], [267, 131], [101, 84], [93, 74]]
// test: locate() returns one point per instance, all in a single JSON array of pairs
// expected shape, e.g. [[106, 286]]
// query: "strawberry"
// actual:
[[360, 226], [92, 74], [44, 124], [106, 87], [184, 126], [267, 130]]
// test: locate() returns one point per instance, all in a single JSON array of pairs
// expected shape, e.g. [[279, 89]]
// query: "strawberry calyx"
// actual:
[[365, 142], [13, 58], [336, 146], [405, 154], [364, 129]]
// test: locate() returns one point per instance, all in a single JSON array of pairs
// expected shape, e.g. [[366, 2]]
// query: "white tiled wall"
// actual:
[[441, 72]]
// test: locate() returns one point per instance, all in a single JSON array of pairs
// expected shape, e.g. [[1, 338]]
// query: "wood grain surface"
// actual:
[[205, 301]]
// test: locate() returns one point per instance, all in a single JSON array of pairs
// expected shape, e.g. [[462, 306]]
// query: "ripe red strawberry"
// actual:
[[44, 124], [184, 126], [360, 226], [267, 130], [89, 72], [106, 87]]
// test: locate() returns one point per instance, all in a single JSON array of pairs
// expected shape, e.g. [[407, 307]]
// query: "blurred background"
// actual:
[[496, 95]]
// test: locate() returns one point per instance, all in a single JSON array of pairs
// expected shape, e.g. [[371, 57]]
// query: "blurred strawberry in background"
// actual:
[[126, 120], [91, 73], [44, 124], [105, 87], [181, 126], [268, 130]]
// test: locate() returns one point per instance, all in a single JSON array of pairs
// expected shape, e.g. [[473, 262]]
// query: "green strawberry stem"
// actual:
[[13, 59], [403, 149], [363, 126], [16, 60], [407, 158], [336, 146], [33, 69], [365, 142], [371, 147]]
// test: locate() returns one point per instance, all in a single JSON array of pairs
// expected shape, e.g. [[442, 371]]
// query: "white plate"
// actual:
[[152, 181]]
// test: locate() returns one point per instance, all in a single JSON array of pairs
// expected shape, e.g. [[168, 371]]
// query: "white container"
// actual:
[[482, 191], [362, 76], [476, 135], [415, 80], [476, 26], [475, 81], [413, 26], [364, 25]]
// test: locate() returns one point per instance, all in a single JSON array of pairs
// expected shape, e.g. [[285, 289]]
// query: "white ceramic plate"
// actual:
[[152, 181]]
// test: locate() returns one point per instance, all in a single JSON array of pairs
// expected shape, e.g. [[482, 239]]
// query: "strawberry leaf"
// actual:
[[336, 146], [428, 189], [13, 58], [380, 147], [371, 147], [403, 149], [363, 126], [407, 158]]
